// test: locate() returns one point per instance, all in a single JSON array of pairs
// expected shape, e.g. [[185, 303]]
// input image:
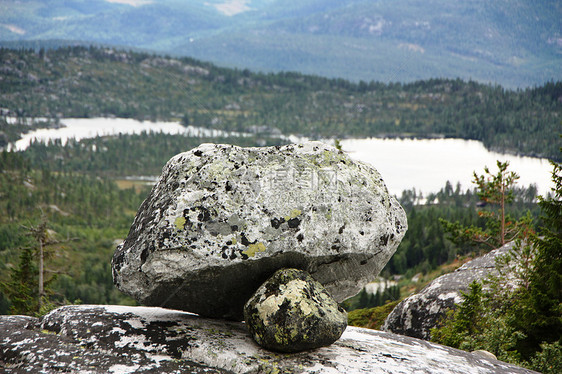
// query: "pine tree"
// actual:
[[496, 190], [541, 314], [21, 288]]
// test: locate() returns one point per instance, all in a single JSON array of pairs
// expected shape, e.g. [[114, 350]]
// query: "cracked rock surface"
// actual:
[[291, 312], [416, 315], [93, 339], [222, 219]]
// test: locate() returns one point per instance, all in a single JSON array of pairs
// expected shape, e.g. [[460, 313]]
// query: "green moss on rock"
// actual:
[[292, 312]]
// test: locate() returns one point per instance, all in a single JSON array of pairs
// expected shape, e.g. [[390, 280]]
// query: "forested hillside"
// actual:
[[515, 43], [87, 210], [89, 82], [78, 189]]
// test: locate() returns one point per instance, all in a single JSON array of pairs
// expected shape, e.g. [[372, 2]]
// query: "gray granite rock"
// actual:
[[222, 219], [92, 339], [416, 315], [291, 312]]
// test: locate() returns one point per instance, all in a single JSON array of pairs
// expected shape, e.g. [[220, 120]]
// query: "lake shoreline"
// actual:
[[405, 161]]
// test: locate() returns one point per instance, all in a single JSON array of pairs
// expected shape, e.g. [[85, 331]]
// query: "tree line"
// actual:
[[88, 82]]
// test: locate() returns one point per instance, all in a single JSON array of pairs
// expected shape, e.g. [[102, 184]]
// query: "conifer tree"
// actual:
[[495, 190]]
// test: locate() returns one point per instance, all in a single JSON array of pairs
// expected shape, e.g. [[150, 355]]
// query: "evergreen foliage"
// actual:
[[426, 244], [88, 82], [21, 288], [365, 300], [519, 317], [492, 189]]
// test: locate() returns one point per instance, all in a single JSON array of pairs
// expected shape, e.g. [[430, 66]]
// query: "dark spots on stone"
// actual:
[[335, 246], [244, 240], [363, 262], [244, 256], [144, 255], [280, 313], [300, 237], [166, 235], [294, 223], [398, 226], [340, 231], [195, 247], [118, 260], [175, 185], [204, 214], [198, 153], [362, 232], [229, 242], [384, 239], [276, 222], [339, 199], [228, 186], [343, 161], [234, 227], [228, 253]]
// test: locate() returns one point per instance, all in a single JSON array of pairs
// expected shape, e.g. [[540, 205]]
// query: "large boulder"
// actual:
[[222, 219], [116, 339], [291, 312], [416, 315]]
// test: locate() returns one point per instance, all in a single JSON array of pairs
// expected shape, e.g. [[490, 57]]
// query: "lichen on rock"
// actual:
[[416, 315], [292, 312], [222, 219], [122, 339]]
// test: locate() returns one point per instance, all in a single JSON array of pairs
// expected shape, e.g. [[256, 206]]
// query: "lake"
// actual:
[[423, 164], [427, 164]]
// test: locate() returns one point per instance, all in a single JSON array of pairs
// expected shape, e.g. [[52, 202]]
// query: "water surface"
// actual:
[[423, 164]]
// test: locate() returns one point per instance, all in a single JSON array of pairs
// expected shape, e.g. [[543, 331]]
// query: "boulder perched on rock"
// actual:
[[291, 312], [116, 339], [222, 219], [416, 315]]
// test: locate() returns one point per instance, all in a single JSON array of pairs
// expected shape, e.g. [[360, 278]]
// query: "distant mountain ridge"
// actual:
[[513, 43]]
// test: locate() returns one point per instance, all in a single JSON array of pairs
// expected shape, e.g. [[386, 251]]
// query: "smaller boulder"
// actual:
[[292, 312]]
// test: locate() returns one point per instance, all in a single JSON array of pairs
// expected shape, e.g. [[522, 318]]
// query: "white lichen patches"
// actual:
[[123, 369], [298, 197], [135, 323], [291, 291]]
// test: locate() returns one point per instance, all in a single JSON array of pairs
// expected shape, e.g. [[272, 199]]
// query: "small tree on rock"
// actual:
[[495, 192]]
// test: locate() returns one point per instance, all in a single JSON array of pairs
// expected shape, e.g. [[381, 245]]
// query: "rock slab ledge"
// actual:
[[416, 315], [93, 339]]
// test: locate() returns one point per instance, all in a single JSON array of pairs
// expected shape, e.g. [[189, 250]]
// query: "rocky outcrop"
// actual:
[[117, 339], [416, 315], [222, 219], [291, 312]]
